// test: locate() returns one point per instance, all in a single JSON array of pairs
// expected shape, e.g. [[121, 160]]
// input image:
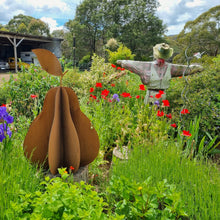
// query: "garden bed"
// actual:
[[168, 174]]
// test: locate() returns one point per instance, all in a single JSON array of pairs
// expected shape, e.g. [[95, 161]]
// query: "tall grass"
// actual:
[[16, 175], [197, 180]]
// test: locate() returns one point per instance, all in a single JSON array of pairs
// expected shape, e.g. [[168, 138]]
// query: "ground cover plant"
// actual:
[[169, 173]]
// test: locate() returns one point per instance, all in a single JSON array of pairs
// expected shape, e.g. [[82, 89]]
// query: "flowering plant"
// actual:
[[5, 131]]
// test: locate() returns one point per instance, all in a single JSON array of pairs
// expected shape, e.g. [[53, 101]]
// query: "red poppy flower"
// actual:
[[186, 133], [104, 93], [160, 113], [3, 105], [113, 85], [122, 69], [118, 68], [98, 85], [33, 96], [151, 96], [161, 92], [93, 96], [169, 116], [158, 95], [137, 97], [72, 168], [125, 94], [113, 65], [166, 103], [141, 87], [185, 111], [173, 125], [91, 90]]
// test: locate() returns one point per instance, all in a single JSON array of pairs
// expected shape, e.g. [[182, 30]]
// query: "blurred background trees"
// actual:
[[133, 23]]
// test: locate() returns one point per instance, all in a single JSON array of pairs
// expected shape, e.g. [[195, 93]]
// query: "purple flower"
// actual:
[[116, 97], [9, 119], [157, 103], [5, 116], [3, 112], [2, 135], [3, 128]]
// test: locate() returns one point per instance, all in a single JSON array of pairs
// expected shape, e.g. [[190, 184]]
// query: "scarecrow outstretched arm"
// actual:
[[178, 70], [137, 67]]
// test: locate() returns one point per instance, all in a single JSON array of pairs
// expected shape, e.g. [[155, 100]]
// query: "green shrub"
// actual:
[[85, 59], [19, 90], [60, 200], [202, 93], [122, 53], [144, 200], [197, 180], [3, 96]]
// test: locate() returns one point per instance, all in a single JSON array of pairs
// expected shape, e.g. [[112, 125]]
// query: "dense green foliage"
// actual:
[[59, 200], [34, 82], [144, 200], [202, 34], [202, 96], [122, 53], [27, 25], [196, 182], [134, 24], [166, 175]]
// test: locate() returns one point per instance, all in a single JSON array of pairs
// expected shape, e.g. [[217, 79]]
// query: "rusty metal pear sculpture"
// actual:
[[61, 135]]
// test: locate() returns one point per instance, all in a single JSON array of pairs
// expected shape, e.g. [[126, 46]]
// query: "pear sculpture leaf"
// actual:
[[48, 61], [61, 135]]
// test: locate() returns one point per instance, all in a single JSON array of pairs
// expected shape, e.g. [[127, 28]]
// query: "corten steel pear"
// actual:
[[61, 135]]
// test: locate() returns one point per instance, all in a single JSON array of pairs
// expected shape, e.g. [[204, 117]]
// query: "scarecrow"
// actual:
[[158, 73]]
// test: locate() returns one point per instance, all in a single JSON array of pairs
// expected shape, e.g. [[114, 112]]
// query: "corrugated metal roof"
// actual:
[[27, 39]]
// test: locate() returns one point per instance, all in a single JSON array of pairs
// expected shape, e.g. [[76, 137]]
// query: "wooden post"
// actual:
[[15, 55], [15, 44]]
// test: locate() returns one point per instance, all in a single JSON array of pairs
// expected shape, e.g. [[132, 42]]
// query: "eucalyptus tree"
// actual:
[[201, 35], [28, 25], [87, 27], [132, 22]]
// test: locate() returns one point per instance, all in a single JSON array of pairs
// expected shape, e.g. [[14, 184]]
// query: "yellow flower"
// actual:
[[65, 171], [140, 188]]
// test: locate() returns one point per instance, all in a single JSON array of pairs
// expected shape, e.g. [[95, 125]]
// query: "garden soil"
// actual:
[[6, 76]]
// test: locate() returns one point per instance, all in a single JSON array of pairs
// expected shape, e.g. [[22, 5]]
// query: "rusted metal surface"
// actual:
[[61, 135]]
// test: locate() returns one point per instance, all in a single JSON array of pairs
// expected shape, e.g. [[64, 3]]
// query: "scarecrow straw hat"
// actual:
[[162, 51]]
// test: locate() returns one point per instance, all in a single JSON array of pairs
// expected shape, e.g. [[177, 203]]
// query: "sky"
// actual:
[[174, 13]]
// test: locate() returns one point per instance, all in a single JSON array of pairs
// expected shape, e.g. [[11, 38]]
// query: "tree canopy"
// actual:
[[132, 23], [27, 25], [201, 35]]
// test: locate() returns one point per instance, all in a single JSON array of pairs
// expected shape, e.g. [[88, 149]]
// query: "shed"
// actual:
[[13, 44]]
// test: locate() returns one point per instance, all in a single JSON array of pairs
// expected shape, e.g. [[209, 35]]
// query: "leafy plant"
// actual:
[[193, 146], [60, 200], [19, 89], [202, 97], [122, 53], [197, 180], [144, 201]]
